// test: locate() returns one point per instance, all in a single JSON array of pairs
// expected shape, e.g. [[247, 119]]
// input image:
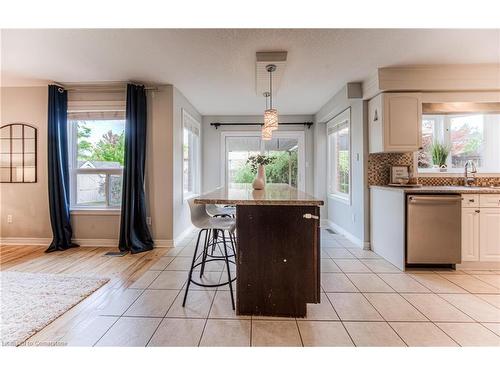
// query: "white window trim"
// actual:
[[336, 122], [186, 118], [299, 134], [74, 171]]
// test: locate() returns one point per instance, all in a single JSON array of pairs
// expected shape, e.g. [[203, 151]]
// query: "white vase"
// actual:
[[259, 182]]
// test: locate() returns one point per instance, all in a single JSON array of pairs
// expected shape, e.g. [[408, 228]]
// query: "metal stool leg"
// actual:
[[228, 270], [192, 265], [205, 252]]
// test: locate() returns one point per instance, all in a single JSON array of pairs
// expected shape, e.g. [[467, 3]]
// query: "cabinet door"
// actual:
[[489, 241], [470, 234], [402, 122], [375, 130]]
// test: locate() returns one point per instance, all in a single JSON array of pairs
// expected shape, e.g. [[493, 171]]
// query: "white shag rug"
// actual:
[[30, 301]]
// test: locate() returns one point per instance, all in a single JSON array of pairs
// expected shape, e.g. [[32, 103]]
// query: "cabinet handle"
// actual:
[[310, 216], [478, 211], [471, 200]]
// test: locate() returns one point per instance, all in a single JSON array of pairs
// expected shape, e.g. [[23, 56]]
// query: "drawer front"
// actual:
[[470, 200], [489, 200]]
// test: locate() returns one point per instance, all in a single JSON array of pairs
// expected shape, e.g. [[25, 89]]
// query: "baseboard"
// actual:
[[478, 266], [183, 235], [90, 242], [357, 241]]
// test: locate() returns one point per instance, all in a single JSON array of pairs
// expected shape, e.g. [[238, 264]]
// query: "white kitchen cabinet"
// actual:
[[470, 234], [490, 200], [395, 122], [489, 239]]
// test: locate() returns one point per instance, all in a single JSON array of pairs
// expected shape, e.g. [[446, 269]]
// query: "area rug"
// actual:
[[30, 301]]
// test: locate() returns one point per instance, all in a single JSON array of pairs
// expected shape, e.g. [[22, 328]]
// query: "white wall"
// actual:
[[352, 218], [211, 163], [182, 220]]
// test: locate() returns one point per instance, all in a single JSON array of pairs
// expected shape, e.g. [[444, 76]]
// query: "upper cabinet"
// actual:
[[395, 122]]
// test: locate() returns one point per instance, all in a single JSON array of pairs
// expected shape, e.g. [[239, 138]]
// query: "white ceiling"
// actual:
[[215, 69]]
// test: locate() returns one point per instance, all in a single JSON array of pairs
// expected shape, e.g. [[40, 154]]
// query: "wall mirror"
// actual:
[[18, 153]]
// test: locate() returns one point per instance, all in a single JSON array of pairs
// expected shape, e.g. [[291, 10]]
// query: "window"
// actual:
[[190, 155], [339, 156], [96, 159], [471, 136]]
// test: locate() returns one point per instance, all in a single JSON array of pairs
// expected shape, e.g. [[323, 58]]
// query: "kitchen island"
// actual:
[[278, 248]]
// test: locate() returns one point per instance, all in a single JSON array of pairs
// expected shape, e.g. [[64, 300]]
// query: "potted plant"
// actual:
[[440, 152], [257, 164]]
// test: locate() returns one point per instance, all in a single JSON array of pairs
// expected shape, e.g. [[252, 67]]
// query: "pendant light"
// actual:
[[271, 114]]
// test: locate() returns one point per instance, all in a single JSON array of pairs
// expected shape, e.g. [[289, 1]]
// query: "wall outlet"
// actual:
[[9, 219], [353, 217], [148, 220]]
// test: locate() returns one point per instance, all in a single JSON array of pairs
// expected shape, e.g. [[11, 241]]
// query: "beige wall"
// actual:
[[28, 203]]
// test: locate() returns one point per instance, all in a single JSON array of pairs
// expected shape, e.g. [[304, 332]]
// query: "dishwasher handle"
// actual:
[[434, 199]]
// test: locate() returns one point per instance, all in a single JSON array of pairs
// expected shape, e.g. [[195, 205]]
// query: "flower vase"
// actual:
[[259, 183]]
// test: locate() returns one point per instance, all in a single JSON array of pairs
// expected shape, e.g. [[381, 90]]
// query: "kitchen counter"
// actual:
[[273, 194], [442, 189]]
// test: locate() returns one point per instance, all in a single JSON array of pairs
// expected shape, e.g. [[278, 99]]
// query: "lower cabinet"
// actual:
[[480, 230]]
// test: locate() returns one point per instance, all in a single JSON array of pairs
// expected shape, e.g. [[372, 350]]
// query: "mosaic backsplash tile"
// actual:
[[379, 166]]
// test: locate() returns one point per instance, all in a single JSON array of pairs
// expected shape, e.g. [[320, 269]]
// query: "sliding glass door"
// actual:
[[286, 147]]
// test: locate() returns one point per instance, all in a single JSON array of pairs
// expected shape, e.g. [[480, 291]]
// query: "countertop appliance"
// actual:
[[433, 229]]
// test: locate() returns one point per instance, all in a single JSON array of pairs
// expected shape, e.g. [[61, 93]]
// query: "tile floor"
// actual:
[[365, 302]]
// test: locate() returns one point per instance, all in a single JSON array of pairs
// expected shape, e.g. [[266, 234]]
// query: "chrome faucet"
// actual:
[[468, 181]]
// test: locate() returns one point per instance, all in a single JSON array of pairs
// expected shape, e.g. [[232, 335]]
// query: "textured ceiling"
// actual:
[[215, 69]]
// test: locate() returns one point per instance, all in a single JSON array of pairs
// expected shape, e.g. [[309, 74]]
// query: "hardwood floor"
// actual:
[[85, 261]]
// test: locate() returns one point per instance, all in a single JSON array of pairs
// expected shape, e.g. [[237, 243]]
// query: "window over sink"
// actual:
[[466, 136]]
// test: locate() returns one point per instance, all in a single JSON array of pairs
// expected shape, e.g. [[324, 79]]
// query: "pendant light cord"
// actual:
[[271, 89]]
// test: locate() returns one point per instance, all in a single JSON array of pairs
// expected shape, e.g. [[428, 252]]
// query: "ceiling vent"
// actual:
[[263, 59]]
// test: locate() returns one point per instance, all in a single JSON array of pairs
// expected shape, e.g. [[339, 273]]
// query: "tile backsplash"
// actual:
[[379, 166]]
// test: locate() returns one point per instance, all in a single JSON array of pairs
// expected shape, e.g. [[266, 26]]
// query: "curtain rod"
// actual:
[[100, 86], [217, 124]]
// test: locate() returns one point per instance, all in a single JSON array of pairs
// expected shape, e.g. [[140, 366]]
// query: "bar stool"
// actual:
[[216, 211], [216, 226]]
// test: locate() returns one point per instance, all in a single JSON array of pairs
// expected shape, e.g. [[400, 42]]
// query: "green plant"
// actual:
[[255, 161], [439, 152]]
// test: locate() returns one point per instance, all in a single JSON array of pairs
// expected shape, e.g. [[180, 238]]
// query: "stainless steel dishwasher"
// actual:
[[433, 229]]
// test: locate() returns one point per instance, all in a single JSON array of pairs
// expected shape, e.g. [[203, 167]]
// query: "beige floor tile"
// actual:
[[336, 282], [380, 266], [492, 299], [470, 334], [222, 308], [178, 332], [373, 334], [220, 332], [180, 264], [474, 306], [437, 283], [198, 305], [275, 333], [493, 280], [320, 311], [128, 331], [403, 283], [152, 303], [316, 333], [338, 253], [88, 332], [324, 255], [394, 308], [369, 282], [174, 251], [188, 251], [353, 306], [494, 327], [346, 243], [471, 284], [480, 272], [435, 308], [119, 302], [364, 254], [161, 263], [422, 334], [208, 278], [170, 280], [328, 265], [145, 280], [352, 265]]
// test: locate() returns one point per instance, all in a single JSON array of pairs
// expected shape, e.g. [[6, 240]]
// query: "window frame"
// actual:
[[333, 126], [74, 171], [444, 135], [189, 123]]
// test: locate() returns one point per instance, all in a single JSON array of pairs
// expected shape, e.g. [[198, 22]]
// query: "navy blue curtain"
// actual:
[[134, 232], [57, 154]]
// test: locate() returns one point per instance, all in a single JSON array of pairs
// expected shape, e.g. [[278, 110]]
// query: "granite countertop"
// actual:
[[443, 189], [273, 194]]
